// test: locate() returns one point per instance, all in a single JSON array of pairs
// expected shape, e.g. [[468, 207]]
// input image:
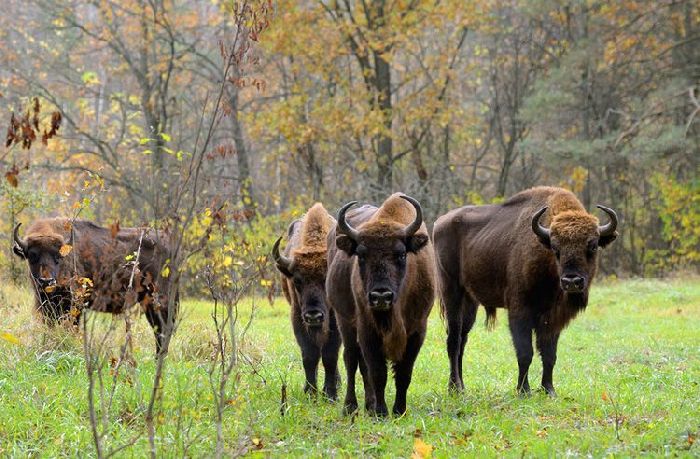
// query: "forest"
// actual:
[[220, 122]]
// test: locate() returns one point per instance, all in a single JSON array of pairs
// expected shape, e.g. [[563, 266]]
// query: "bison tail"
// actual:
[[490, 318]]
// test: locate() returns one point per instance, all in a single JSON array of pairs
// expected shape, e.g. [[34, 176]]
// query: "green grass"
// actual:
[[632, 358]]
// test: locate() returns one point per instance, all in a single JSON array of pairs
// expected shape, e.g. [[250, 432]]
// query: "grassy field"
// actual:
[[627, 377]]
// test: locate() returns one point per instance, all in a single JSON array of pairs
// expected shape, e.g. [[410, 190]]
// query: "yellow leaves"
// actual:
[[65, 250], [50, 288], [257, 443], [85, 282], [90, 78], [421, 450], [10, 338], [265, 283], [165, 272]]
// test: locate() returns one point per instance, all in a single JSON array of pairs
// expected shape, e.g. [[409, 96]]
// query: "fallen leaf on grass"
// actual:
[[257, 443], [421, 450], [9, 337]]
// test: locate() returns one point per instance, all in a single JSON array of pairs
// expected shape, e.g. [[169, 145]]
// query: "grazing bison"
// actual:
[[381, 284], [304, 266], [535, 255], [77, 264]]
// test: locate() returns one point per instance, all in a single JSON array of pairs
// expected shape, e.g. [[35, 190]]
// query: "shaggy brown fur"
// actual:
[[100, 256], [304, 283], [490, 255], [384, 260]]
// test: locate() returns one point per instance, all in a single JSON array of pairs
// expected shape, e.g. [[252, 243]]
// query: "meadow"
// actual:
[[627, 378]]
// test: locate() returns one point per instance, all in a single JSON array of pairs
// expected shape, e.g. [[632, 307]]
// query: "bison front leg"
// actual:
[[521, 332], [371, 345], [403, 370], [310, 353], [310, 356], [547, 346], [351, 357], [329, 355]]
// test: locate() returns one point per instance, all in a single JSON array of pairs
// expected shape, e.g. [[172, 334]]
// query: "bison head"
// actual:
[[307, 273], [43, 253], [381, 249], [573, 237]]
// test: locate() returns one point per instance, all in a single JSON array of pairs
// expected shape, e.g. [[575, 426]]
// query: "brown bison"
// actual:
[[535, 255], [381, 284], [304, 266], [77, 264]]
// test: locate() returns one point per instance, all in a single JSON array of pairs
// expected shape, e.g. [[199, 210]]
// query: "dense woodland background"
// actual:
[[452, 102]]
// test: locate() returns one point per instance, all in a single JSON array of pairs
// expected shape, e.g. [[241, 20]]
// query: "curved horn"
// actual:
[[280, 259], [541, 232], [343, 225], [414, 226], [19, 241], [609, 228]]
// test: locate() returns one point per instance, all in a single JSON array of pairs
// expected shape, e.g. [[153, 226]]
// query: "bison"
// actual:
[[381, 284], [303, 266], [535, 255], [75, 264]]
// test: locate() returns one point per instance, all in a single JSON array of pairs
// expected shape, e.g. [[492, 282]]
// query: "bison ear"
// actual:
[[18, 251], [604, 241], [346, 244], [416, 242]]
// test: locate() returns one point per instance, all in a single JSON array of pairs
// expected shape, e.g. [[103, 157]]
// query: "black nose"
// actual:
[[313, 317], [381, 298], [46, 281], [572, 283]]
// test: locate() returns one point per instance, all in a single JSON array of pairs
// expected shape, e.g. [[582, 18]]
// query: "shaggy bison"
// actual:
[[381, 284], [77, 264], [535, 255], [304, 266]]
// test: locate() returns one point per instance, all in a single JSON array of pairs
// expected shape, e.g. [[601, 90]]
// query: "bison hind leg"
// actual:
[[460, 312]]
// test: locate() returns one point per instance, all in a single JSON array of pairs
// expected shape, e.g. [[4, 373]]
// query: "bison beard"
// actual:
[[96, 273], [504, 256], [303, 267], [381, 285]]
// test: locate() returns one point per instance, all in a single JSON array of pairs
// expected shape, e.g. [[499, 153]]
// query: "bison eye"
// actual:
[[33, 257], [401, 257]]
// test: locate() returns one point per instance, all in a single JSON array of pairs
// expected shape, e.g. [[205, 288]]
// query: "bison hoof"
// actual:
[[399, 410], [524, 391], [380, 411], [455, 387], [349, 408], [550, 391]]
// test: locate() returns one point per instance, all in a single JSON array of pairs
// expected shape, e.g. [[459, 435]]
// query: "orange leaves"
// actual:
[[25, 130], [11, 176], [421, 450], [65, 250]]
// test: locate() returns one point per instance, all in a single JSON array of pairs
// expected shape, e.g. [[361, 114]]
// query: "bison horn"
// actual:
[[543, 233], [19, 241], [280, 259], [415, 225], [609, 228], [343, 225]]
